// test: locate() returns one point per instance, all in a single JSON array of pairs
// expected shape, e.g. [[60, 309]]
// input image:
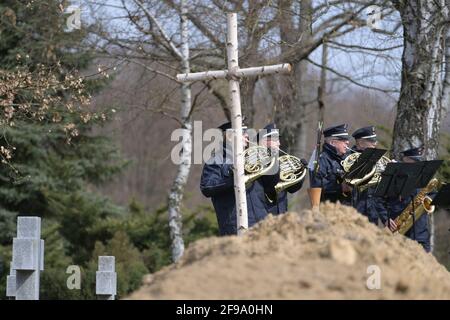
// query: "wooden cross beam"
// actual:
[[233, 74]]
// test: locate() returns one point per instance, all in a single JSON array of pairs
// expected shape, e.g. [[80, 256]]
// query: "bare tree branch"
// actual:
[[350, 78], [168, 76], [200, 26], [350, 46], [160, 28]]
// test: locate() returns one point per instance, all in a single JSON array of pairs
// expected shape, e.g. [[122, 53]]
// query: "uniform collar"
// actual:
[[225, 158], [331, 150], [227, 152]]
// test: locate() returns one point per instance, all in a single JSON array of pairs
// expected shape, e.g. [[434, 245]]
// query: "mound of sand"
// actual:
[[311, 255]]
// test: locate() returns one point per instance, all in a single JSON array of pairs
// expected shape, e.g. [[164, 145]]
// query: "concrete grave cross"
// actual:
[[106, 278], [28, 258]]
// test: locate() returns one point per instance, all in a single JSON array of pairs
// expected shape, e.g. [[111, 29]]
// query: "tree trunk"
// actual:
[[444, 104], [290, 116], [299, 128], [305, 25], [247, 91], [419, 109], [446, 90], [322, 90], [177, 190], [423, 91]]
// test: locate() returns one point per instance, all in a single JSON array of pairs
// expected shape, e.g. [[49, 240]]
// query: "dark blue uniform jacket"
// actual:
[[278, 203], [369, 205], [217, 183], [329, 176], [419, 230]]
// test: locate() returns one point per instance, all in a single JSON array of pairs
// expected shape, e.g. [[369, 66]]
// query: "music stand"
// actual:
[[402, 179], [429, 168], [442, 199], [362, 166], [365, 163], [398, 180], [427, 172]]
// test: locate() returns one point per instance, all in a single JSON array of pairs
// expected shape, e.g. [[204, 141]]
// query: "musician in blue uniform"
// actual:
[[419, 231], [330, 172], [217, 183], [277, 203], [365, 201]]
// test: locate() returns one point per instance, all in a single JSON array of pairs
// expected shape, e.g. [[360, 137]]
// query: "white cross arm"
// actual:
[[240, 73]]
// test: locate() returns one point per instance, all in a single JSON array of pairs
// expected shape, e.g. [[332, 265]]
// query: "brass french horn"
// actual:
[[257, 162], [371, 178], [292, 171]]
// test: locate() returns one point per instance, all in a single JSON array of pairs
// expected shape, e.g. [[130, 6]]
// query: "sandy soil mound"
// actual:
[[311, 255]]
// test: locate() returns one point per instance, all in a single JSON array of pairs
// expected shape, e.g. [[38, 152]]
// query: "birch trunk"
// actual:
[[446, 91], [236, 119], [423, 91], [177, 190], [444, 104], [419, 109]]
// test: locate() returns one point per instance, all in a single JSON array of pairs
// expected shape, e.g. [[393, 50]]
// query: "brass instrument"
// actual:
[[421, 204], [257, 162], [292, 171], [370, 178], [347, 164], [380, 166]]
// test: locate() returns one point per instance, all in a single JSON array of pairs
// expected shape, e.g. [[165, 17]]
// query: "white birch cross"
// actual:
[[233, 74]]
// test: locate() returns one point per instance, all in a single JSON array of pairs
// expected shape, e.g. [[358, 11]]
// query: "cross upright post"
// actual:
[[233, 74], [236, 123]]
